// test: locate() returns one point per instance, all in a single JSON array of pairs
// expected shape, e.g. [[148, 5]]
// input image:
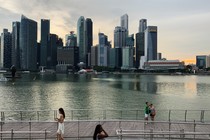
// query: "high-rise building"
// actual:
[[28, 44], [94, 55], [45, 31], [103, 50], [128, 53], [71, 39], [81, 39], [151, 43], [67, 57], [120, 34], [124, 21], [140, 41], [142, 25], [16, 44], [52, 51], [6, 49], [89, 33]]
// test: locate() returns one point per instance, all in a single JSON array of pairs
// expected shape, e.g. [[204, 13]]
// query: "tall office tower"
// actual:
[[151, 43], [0, 52], [103, 50], [38, 54], [128, 53], [16, 44], [94, 55], [89, 34], [81, 41], [45, 31], [71, 39], [89, 39], [52, 51], [28, 44], [140, 41], [6, 49], [142, 25], [124, 21], [120, 34]]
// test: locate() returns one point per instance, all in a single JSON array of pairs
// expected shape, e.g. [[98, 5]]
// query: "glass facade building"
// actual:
[[28, 44], [16, 44], [45, 31], [151, 43]]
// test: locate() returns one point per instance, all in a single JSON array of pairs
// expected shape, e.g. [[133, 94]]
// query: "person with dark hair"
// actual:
[[60, 120], [99, 133], [146, 112], [152, 112]]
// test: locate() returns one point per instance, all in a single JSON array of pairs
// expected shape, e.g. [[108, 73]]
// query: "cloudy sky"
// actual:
[[183, 25]]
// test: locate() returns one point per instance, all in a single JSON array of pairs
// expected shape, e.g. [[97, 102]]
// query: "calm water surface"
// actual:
[[41, 92]]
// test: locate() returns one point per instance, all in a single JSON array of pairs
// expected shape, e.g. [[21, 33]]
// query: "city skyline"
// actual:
[[182, 25]]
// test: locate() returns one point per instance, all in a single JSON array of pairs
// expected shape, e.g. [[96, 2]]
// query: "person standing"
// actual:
[[99, 133], [60, 120], [146, 111], [152, 112]]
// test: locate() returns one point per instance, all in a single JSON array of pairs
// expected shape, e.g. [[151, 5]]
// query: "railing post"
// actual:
[[12, 134], [121, 134], [21, 115], [30, 129], [72, 114], [151, 134], [169, 127], [104, 114], [202, 116], [185, 116], [169, 115], [137, 114], [120, 114], [182, 134], [37, 115], [78, 129], [45, 134], [194, 129]]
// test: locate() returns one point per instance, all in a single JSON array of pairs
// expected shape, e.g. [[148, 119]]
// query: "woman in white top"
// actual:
[[60, 121], [99, 133]]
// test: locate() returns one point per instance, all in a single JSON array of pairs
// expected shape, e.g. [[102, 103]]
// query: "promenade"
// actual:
[[117, 129]]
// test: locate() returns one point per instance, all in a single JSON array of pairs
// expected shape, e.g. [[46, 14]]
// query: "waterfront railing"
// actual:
[[117, 129], [89, 114]]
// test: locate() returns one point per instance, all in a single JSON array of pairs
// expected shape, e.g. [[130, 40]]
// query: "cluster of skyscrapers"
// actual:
[[21, 49]]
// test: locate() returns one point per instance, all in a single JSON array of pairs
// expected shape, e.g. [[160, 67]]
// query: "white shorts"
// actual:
[[146, 115], [60, 128]]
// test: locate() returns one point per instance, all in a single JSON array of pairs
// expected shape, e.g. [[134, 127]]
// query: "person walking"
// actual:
[[152, 112], [146, 112], [60, 120], [99, 133]]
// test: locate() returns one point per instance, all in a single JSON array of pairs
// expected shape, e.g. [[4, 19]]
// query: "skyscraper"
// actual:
[[52, 51], [71, 40], [140, 41], [151, 43], [6, 49], [28, 44], [128, 53], [16, 44], [81, 42], [103, 50], [89, 34], [142, 25], [45, 31], [124, 21], [120, 34]]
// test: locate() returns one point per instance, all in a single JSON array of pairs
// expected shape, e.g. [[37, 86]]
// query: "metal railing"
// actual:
[[12, 134], [83, 129], [90, 114]]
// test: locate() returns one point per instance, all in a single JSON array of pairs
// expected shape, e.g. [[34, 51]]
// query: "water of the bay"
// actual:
[[106, 91]]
